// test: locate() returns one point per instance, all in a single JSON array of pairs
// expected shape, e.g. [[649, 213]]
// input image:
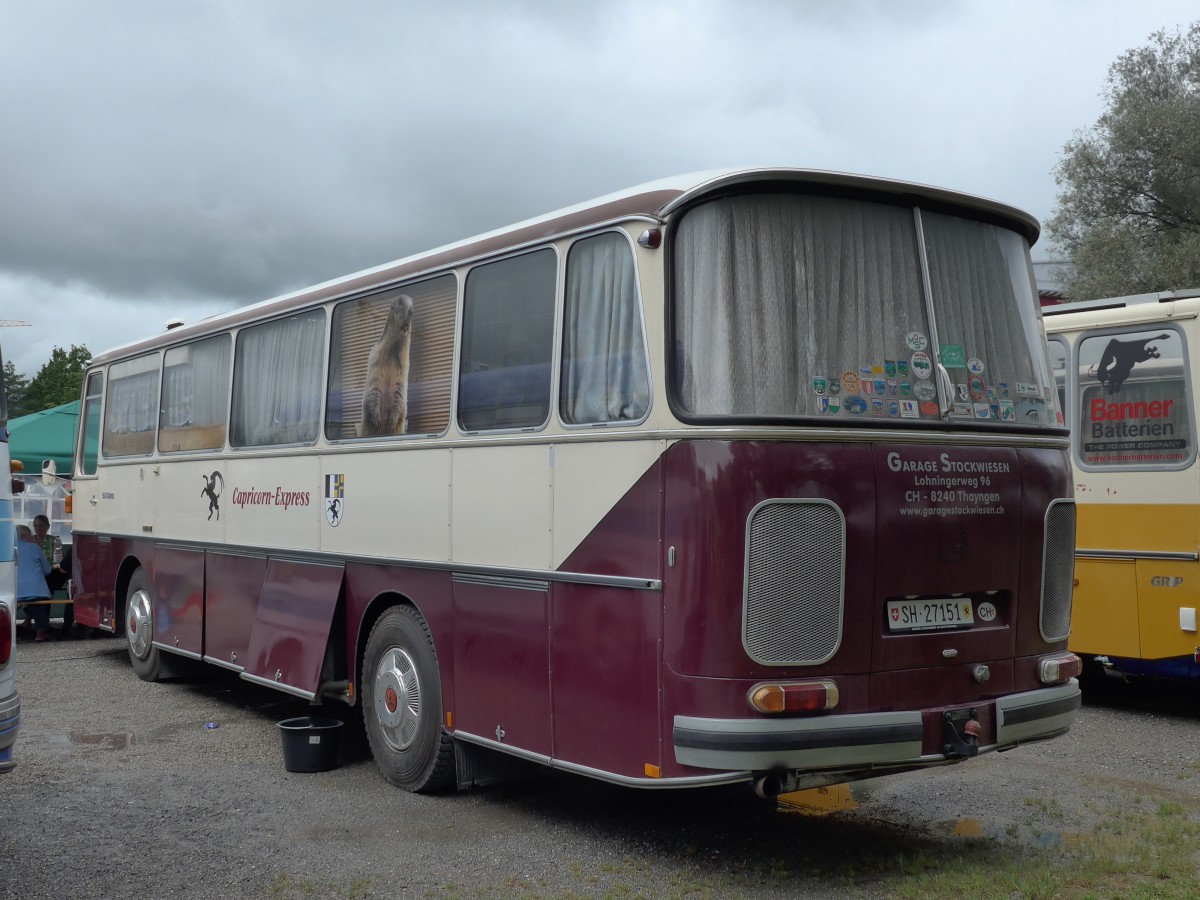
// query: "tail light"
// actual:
[[794, 697], [1059, 668]]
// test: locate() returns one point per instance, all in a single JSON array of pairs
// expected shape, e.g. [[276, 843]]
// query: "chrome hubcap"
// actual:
[[139, 626], [398, 698]]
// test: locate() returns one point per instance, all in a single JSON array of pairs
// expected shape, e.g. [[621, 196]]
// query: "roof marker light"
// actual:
[[651, 238]]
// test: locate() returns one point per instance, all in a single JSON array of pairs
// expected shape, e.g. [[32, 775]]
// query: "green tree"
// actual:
[[15, 385], [58, 381], [1128, 213]]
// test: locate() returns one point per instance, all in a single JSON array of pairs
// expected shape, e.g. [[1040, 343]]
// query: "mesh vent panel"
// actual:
[[1058, 572], [795, 580]]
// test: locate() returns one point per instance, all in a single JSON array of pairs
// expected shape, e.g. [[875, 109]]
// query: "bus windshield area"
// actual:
[[790, 305]]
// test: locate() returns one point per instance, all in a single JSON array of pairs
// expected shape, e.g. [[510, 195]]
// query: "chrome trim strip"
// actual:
[[1084, 553], [278, 685], [224, 664], [600, 774], [520, 584], [340, 561], [176, 650]]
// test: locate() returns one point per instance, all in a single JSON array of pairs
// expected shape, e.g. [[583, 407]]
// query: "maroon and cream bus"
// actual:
[[755, 475]]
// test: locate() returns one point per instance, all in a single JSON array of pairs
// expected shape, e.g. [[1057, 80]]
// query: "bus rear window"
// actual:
[[788, 305]]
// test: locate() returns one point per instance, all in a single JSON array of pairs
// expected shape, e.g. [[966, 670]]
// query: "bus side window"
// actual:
[[194, 396], [90, 425], [132, 407], [1057, 347], [277, 378], [507, 343], [365, 355], [604, 377]]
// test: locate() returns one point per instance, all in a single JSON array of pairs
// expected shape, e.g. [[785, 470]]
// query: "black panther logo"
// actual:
[[1120, 357]]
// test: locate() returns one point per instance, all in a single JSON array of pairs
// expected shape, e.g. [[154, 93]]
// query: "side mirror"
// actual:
[[49, 472]]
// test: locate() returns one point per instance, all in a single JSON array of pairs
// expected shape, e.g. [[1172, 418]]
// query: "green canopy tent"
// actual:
[[49, 434]]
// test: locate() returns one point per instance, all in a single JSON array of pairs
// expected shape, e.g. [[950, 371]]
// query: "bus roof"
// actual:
[[654, 202], [1118, 310]]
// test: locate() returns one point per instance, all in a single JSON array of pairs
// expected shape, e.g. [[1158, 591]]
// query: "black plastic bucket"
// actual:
[[309, 744]]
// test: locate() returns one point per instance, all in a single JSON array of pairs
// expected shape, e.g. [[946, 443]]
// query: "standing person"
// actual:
[[32, 569], [60, 572]]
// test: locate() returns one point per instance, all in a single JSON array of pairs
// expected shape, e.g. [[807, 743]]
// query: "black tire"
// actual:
[[147, 660], [402, 704]]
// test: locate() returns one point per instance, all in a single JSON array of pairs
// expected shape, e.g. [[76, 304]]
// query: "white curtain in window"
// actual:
[[196, 383], [985, 301], [277, 382], [604, 376], [775, 290], [132, 401]]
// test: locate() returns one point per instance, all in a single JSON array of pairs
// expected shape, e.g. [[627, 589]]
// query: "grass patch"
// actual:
[[286, 887], [1135, 852]]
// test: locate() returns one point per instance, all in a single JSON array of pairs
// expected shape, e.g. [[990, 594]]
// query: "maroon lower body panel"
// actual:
[[178, 586], [291, 628], [502, 663], [234, 584]]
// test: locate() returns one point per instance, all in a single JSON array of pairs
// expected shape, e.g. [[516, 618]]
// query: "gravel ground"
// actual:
[[122, 790]]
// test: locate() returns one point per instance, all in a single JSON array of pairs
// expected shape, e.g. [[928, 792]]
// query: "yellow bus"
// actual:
[[1125, 376]]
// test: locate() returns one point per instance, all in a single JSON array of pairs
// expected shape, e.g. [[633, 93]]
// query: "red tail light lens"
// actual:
[[793, 697]]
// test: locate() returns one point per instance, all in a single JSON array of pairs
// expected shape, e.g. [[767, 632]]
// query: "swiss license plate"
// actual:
[[929, 615]]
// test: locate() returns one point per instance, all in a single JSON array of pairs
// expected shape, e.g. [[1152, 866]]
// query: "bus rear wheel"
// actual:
[[402, 704], [139, 629]]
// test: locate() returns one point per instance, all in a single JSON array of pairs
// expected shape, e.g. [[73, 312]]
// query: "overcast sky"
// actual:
[[165, 159]]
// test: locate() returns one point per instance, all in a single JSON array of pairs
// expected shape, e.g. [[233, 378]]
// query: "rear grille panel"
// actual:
[[1058, 570], [795, 582]]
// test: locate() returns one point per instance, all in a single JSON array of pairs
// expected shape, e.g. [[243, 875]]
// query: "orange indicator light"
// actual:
[[653, 771]]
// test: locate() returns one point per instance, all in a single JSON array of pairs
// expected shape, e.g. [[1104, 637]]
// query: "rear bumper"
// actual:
[[859, 740], [10, 724]]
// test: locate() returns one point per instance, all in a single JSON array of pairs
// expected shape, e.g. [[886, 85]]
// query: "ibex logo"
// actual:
[[212, 489], [1165, 581]]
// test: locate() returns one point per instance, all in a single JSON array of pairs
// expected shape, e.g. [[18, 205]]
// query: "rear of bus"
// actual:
[[10, 702], [869, 537]]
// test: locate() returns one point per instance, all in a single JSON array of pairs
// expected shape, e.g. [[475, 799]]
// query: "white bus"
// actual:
[[757, 475], [1127, 373]]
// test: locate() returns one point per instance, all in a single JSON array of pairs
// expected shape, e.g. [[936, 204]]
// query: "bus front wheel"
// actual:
[[402, 704], [139, 629]]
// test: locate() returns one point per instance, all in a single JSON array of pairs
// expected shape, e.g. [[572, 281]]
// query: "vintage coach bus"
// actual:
[[756, 475], [1132, 405]]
